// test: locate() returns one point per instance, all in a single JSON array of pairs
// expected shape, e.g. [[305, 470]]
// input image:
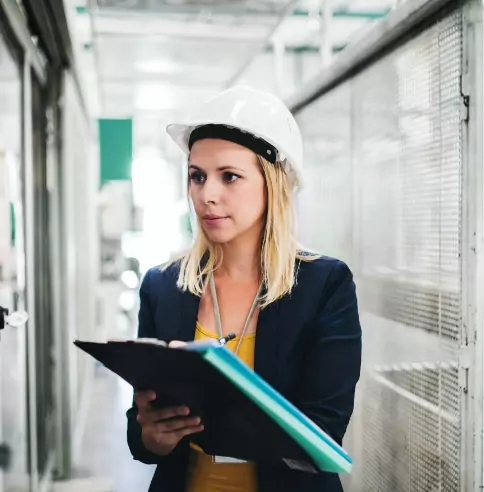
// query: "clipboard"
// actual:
[[243, 416]]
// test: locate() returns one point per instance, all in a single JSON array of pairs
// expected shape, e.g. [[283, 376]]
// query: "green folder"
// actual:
[[327, 454]]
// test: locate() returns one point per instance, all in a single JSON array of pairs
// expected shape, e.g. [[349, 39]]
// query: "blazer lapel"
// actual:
[[266, 344], [189, 304]]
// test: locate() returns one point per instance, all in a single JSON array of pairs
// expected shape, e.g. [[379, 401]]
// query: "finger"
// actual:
[[176, 344], [172, 438], [170, 412], [143, 398], [195, 429], [149, 415], [177, 424]]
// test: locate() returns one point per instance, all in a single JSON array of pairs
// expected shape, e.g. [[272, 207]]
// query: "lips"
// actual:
[[212, 220], [213, 217]]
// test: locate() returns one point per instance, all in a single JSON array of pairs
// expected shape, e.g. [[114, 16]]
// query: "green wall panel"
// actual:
[[116, 149]]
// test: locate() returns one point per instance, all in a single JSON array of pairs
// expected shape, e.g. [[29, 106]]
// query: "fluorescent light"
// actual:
[[155, 97], [158, 66]]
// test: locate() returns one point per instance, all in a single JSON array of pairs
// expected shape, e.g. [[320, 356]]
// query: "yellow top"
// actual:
[[206, 476]]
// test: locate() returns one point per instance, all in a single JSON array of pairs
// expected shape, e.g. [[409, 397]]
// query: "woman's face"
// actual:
[[227, 188]]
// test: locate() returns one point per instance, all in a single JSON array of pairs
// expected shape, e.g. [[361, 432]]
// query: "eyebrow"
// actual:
[[222, 168]]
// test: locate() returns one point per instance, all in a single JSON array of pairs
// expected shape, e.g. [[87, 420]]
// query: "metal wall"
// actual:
[[385, 170]]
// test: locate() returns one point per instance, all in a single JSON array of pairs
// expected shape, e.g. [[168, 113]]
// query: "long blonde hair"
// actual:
[[279, 250]]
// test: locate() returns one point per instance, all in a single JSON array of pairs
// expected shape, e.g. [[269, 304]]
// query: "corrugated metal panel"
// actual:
[[402, 179]]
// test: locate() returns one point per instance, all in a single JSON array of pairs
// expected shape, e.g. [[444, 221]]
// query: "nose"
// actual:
[[211, 190]]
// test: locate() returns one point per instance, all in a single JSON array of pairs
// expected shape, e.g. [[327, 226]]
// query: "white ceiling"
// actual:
[[152, 59]]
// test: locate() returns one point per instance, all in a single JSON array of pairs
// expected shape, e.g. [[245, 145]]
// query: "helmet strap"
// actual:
[[235, 135]]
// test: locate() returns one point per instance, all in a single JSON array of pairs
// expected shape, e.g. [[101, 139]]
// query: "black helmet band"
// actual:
[[222, 132]]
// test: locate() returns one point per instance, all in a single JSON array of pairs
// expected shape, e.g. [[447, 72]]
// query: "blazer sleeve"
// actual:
[[332, 363], [146, 329]]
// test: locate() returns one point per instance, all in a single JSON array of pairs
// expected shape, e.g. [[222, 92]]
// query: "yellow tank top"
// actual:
[[206, 476]]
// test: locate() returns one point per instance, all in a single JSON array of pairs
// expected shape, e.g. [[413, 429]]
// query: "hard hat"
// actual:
[[256, 112]]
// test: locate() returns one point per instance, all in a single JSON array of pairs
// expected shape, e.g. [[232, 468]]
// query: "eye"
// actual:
[[230, 177], [197, 177]]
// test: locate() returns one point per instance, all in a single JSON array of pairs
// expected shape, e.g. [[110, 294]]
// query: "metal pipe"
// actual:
[[370, 44], [326, 46]]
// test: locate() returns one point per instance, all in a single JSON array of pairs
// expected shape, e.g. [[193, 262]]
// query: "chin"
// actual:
[[219, 237]]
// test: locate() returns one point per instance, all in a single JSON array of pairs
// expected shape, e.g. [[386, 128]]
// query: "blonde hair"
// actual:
[[280, 250]]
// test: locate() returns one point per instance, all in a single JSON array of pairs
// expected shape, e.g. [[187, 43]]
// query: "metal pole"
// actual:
[[326, 47]]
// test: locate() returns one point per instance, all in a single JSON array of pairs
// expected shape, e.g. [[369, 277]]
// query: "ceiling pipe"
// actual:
[[325, 26]]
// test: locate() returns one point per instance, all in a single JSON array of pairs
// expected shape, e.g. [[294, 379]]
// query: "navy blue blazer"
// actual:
[[308, 347]]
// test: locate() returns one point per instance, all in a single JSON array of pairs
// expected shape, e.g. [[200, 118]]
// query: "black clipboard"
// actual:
[[243, 416]]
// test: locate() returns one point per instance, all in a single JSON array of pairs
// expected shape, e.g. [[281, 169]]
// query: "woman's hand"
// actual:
[[176, 344], [162, 429]]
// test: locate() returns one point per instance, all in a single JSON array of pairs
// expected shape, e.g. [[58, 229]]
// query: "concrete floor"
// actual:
[[105, 463]]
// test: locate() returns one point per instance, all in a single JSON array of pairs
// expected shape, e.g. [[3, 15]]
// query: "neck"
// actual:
[[241, 260]]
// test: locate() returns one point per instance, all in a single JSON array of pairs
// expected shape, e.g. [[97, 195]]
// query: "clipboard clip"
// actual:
[[226, 338]]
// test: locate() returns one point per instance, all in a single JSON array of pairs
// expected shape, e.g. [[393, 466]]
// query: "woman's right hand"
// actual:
[[160, 436]]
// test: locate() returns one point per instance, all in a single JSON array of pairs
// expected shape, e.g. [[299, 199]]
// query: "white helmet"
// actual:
[[256, 112]]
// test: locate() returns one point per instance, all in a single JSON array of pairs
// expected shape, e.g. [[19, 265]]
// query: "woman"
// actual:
[[294, 313]]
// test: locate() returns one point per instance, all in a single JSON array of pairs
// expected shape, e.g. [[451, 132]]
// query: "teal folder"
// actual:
[[244, 417]]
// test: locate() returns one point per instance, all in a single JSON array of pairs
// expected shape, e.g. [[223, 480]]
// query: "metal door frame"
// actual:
[[472, 117]]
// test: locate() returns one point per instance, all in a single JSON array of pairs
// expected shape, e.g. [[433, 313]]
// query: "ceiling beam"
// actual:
[[303, 48], [346, 13], [342, 13]]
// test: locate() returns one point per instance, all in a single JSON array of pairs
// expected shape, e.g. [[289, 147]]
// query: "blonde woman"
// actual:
[[294, 313]]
